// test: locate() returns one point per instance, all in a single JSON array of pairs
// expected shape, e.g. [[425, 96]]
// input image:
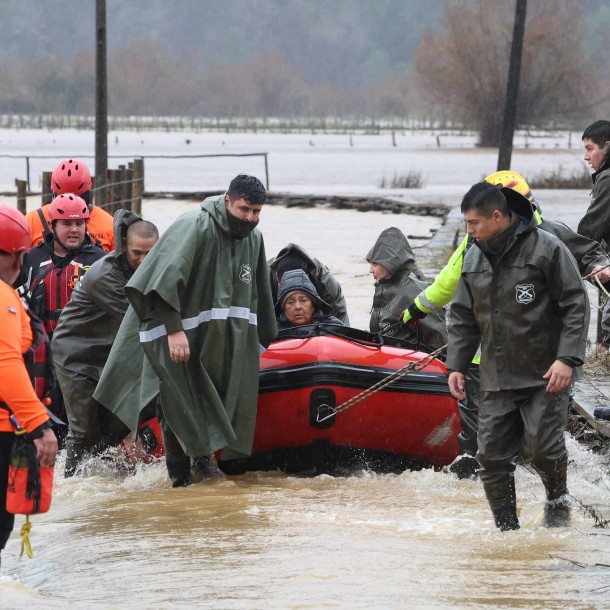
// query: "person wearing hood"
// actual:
[[391, 264], [595, 224], [201, 309], [298, 302], [85, 333], [521, 298], [328, 288]]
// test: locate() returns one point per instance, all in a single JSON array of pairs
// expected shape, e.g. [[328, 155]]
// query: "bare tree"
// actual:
[[465, 66]]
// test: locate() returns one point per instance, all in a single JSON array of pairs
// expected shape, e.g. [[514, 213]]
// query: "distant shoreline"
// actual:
[[361, 203]]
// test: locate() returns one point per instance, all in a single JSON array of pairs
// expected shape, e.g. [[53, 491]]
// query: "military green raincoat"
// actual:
[[220, 286]]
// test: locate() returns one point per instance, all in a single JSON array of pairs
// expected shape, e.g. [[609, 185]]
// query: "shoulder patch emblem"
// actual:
[[245, 274], [525, 293]]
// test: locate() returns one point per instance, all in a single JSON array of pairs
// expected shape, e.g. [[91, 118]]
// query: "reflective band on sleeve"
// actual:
[[423, 299], [216, 313]]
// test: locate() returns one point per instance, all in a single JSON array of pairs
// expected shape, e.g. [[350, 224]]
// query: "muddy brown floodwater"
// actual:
[[269, 540]]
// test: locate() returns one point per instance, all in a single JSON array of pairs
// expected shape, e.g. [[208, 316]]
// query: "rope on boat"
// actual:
[[587, 277], [416, 365]]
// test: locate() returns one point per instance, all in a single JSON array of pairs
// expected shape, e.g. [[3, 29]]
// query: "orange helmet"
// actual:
[[71, 176], [14, 231], [68, 207]]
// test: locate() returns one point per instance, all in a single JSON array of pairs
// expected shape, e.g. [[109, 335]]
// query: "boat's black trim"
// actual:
[[322, 458], [351, 376], [355, 335]]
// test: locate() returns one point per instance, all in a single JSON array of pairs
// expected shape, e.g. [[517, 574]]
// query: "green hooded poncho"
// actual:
[[220, 286], [398, 289]]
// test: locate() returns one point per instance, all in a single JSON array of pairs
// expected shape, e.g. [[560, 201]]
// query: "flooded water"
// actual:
[[423, 539], [267, 540]]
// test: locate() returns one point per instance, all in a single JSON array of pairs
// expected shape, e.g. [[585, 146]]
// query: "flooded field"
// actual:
[[267, 540]]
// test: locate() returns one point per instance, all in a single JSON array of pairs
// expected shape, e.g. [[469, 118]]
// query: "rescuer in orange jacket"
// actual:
[[18, 401], [72, 176]]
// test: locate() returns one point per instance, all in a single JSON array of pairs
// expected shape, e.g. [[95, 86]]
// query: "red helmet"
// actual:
[[71, 176], [15, 233], [68, 207]]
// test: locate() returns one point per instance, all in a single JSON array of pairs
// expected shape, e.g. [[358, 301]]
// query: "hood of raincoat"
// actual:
[[219, 286], [123, 219], [298, 281], [393, 251]]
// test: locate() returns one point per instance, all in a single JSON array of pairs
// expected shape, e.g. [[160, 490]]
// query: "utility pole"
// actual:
[[512, 88], [101, 104]]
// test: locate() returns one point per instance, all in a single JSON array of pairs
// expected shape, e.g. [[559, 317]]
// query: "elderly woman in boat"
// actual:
[[298, 302]]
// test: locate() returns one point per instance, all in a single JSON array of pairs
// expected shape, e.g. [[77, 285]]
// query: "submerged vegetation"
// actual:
[[558, 179], [411, 180]]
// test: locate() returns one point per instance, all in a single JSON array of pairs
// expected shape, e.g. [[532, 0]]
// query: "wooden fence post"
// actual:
[[22, 186], [114, 191], [120, 202], [47, 193], [126, 187], [137, 186], [266, 172]]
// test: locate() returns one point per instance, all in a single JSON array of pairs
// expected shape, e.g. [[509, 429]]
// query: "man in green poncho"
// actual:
[[201, 308]]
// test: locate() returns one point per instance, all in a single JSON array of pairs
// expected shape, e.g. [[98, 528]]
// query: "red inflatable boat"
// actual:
[[306, 377]]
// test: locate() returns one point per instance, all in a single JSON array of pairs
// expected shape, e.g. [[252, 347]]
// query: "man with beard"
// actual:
[[201, 307], [54, 267]]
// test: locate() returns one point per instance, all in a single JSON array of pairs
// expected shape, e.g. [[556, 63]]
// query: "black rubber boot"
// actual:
[[602, 413], [4, 536], [76, 453], [556, 512], [506, 518], [465, 467], [554, 476], [503, 503], [204, 467], [179, 472]]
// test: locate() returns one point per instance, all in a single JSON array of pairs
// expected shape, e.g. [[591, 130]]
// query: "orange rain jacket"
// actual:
[[16, 388], [99, 226]]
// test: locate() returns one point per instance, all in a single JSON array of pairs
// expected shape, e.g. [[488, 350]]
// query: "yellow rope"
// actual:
[[26, 545]]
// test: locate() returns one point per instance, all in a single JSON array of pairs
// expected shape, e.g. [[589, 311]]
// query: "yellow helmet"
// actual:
[[514, 181]]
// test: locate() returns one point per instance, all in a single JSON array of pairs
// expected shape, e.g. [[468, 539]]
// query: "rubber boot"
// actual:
[[465, 467], [204, 467], [76, 453], [179, 472], [4, 536], [557, 512], [554, 477], [503, 503], [602, 413]]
